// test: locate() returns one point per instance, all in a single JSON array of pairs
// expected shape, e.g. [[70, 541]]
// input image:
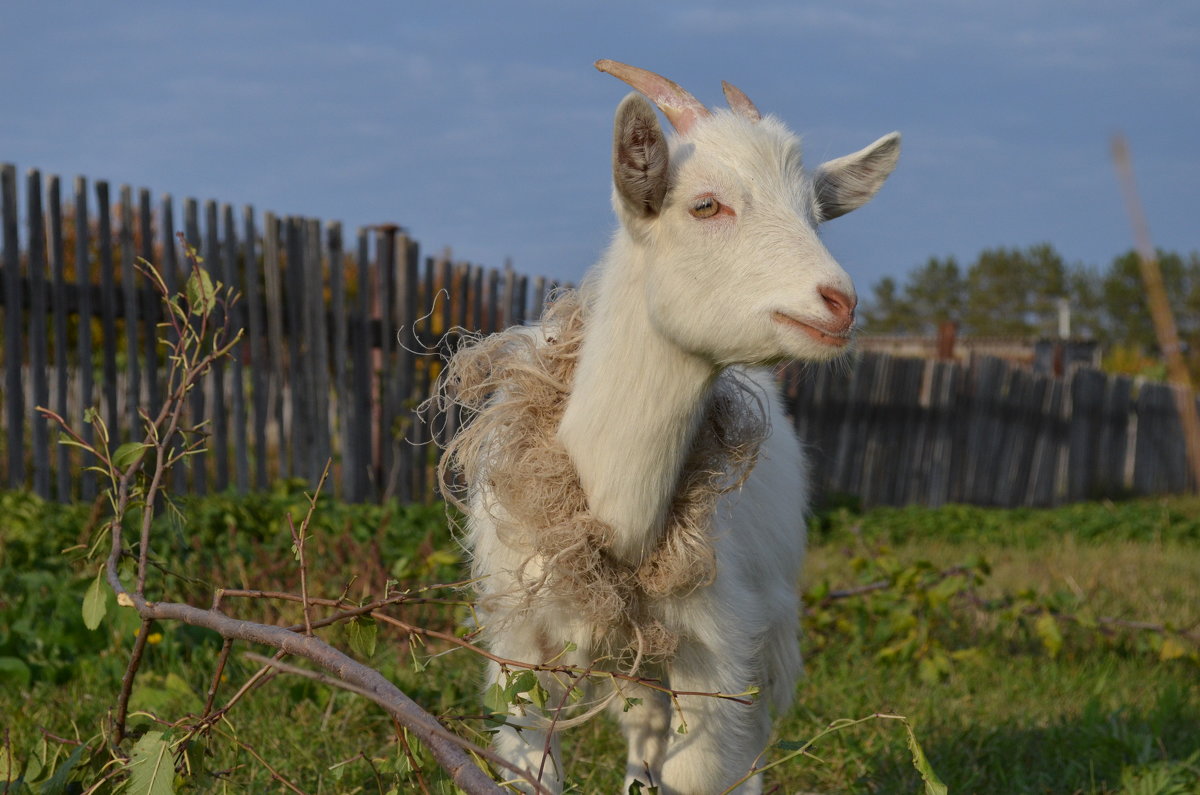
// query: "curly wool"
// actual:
[[512, 390]]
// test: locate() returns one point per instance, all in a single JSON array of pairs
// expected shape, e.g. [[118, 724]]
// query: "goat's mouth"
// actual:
[[836, 339]]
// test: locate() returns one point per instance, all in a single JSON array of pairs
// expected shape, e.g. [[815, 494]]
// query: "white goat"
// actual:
[[636, 501]]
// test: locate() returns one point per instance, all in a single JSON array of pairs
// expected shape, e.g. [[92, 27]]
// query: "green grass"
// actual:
[[1007, 713]]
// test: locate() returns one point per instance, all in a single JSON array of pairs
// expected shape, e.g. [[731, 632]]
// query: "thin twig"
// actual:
[[275, 774], [222, 658], [135, 661]]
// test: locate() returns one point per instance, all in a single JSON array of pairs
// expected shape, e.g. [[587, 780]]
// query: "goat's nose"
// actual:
[[840, 305]]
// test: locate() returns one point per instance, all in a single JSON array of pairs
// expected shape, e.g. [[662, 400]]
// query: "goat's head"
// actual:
[[727, 215]]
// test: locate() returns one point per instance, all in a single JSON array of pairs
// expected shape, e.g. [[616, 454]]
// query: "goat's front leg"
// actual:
[[645, 719], [525, 742], [528, 738], [713, 741]]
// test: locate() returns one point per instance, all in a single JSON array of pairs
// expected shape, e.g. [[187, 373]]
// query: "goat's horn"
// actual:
[[680, 107], [739, 102]]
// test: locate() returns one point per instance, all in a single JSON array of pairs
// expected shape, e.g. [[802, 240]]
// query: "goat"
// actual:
[[635, 502]]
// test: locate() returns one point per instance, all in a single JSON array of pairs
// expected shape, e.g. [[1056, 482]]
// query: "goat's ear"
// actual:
[[640, 158], [849, 182]]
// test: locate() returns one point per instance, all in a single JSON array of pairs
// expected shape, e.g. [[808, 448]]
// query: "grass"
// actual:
[[1100, 715]]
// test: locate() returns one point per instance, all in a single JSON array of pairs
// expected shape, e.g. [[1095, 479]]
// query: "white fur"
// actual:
[[675, 300]]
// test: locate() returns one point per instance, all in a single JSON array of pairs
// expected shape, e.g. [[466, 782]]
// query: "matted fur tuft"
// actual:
[[512, 388]]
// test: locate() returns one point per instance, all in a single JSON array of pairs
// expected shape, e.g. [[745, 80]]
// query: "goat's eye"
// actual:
[[705, 207]]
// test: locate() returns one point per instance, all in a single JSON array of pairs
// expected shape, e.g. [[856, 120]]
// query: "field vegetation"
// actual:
[[1031, 651]]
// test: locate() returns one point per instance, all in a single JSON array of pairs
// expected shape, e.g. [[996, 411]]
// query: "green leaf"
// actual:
[[127, 454], [1047, 630], [521, 683], [362, 631], [494, 699], [57, 784], [933, 784], [15, 674], [201, 292], [151, 768], [95, 602], [538, 696], [1171, 649]]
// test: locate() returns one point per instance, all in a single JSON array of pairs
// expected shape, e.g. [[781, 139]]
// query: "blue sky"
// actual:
[[484, 127]]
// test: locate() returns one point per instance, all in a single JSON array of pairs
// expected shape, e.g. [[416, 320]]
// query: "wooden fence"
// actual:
[[340, 346], [340, 349], [895, 431]]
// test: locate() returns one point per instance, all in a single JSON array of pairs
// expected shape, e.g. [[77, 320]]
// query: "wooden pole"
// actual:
[[1160, 310]]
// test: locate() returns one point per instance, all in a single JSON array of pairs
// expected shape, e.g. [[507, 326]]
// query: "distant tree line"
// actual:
[[1018, 292]]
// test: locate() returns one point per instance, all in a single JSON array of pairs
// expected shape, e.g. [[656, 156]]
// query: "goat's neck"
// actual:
[[632, 414]]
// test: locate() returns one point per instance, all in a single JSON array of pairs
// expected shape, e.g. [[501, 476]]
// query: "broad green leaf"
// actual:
[[57, 784], [494, 700], [151, 768], [362, 631], [933, 784], [1046, 628], [95, 602], [128, 453], [538, 696], [521, 683], [201, 291]]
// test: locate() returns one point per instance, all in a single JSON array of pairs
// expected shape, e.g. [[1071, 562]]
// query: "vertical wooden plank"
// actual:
[[151, 302], [170, 256], [539, 298], [1176, 480], [1021, 416], [459, 280], [407, 287], [260, 365], [1150, 461], [132, 317], [38, 354], [943, 404], [14, 393], [273, 290], [831, 419], [441, 426], [385, 267], [423, 432], [909, 468], [318, 333], [298, 383], [62, 457], [492, 299], [987, 382], [170, 272], [219, 441], [108, 310], [506, 301], [478, 322], [1111, 454], [360, 327], [340, 358], [237, 324], [848, 445], [1086, 387], [83, 356], [521, 300], [446, 288], [191, 226], [462, 295]]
